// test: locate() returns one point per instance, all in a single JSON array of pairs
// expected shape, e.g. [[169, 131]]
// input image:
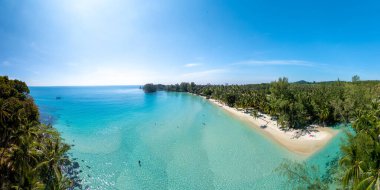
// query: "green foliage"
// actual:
[[230, 99], [183, 87], [361, 151], [149, 88], [31, 153]]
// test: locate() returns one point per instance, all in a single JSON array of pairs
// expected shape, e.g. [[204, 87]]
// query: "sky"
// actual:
[[129, 42]]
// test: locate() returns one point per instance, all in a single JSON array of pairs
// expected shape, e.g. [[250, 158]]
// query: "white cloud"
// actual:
[[276, 62], [204, 73], [193, 64]]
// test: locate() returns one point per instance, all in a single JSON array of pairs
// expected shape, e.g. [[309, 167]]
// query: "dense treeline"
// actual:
[[294, 105], [31, 154], [149, 88], [360, 159]]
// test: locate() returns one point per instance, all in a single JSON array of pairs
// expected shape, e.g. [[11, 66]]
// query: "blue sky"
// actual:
[[115, 42]]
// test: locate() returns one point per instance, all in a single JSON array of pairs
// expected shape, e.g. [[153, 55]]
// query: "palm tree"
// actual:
[[323, 115], [55, 151], [371, 181], [351, 161], [4, 112]]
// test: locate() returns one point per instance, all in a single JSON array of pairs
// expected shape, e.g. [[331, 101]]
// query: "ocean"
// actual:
[[125, 139]]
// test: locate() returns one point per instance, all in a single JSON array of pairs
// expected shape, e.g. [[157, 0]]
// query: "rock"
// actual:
[[75, 165]]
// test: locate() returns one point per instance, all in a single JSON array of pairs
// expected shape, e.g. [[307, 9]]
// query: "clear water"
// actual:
[[182, 141]]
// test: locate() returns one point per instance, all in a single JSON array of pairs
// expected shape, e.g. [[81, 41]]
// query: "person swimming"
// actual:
[[139, 163]]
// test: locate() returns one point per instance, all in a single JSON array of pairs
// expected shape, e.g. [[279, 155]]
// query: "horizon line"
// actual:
[[105, 85]]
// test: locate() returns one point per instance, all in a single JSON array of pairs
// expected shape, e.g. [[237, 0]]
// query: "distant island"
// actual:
[[299, 116]]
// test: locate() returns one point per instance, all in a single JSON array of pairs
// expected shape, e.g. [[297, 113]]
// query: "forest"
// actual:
[[32, 154]]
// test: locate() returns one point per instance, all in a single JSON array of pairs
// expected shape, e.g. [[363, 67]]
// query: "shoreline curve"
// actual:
[[304, 143]]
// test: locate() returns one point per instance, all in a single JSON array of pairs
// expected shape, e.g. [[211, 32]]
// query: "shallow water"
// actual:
[[182, 141]]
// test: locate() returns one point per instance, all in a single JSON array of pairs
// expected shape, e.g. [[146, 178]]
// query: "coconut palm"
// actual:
[[28, 150], [371, 181], [351, 161]]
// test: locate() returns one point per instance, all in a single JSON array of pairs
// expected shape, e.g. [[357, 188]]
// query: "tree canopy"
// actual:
[[31, 154], [149, 88]]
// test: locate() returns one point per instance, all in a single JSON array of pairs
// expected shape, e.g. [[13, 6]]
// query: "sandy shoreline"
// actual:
[[303, 144]]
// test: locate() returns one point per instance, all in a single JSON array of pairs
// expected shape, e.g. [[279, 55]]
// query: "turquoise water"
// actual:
[[182, 141]]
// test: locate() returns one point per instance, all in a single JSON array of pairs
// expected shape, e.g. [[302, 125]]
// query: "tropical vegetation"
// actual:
[[149, 88], [32, 155]]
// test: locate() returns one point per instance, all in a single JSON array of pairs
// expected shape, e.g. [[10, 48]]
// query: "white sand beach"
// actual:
[[301, 142]]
